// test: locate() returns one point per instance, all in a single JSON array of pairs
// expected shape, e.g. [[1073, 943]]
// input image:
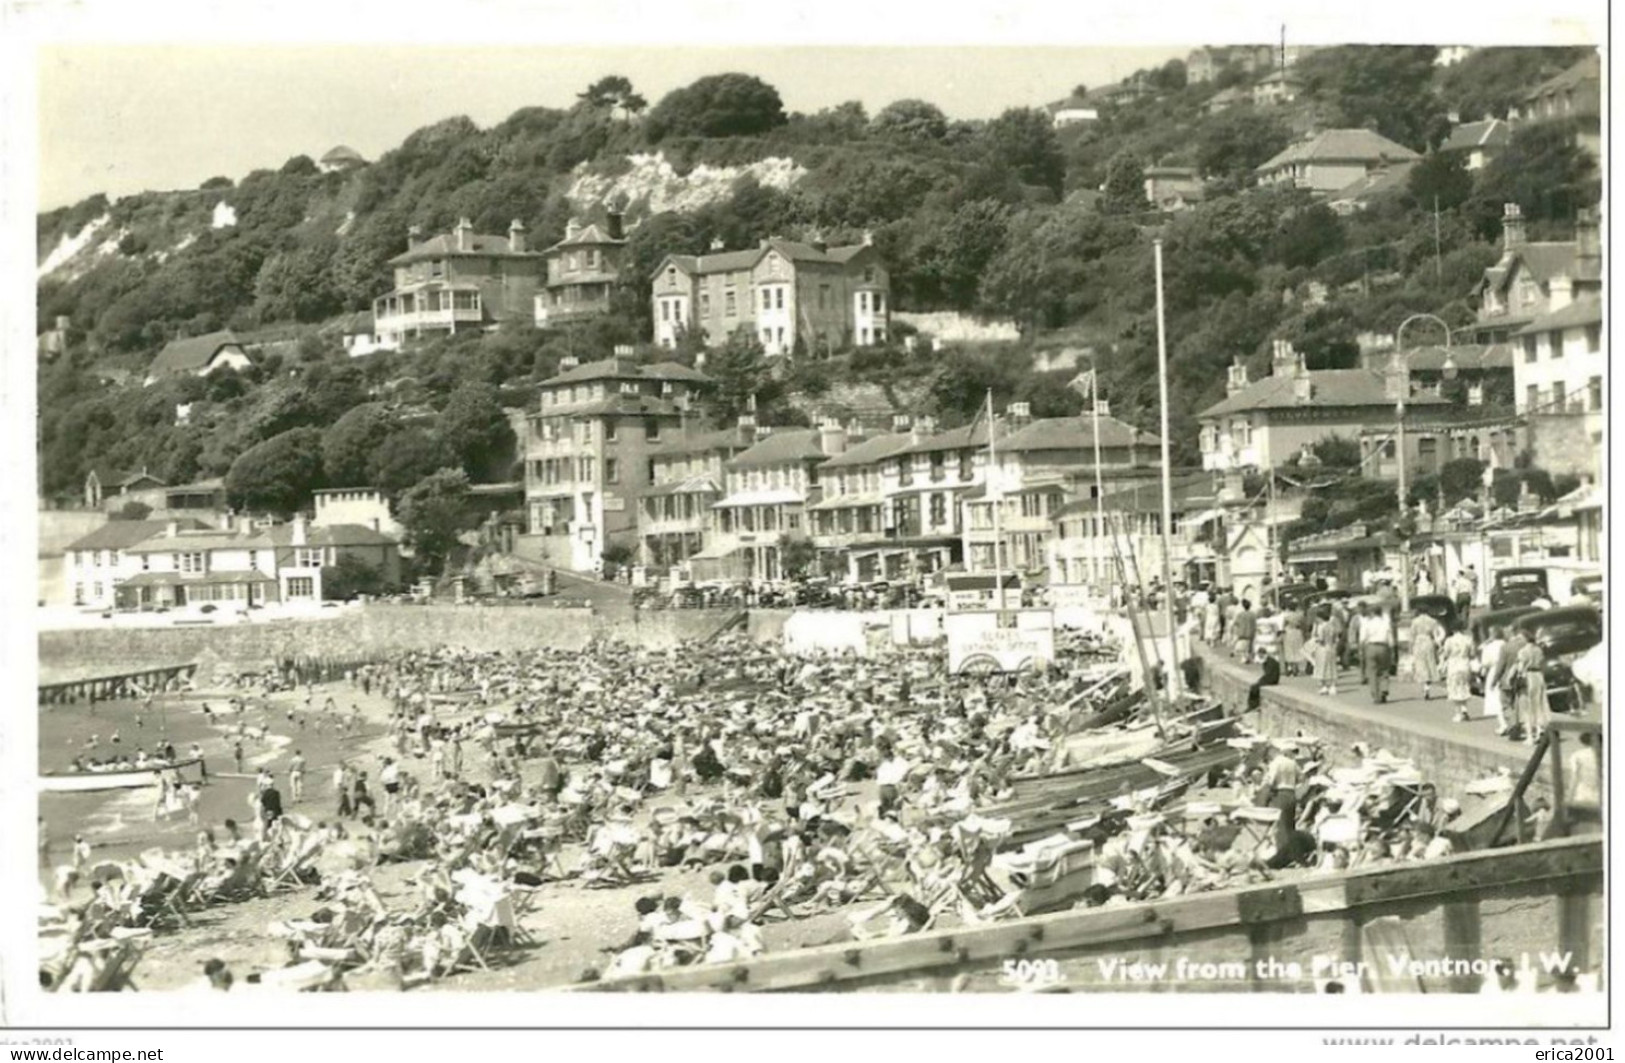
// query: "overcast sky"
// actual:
[[124, 119]]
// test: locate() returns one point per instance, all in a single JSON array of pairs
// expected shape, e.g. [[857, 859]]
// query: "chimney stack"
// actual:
[[572, 229], [516, 236], [832, 437], [1237, 380], [616, 221], [900, 422], [569, 362], [1020, 414], [173, 529], [1396, 379], [717, 244], [465, 235], [414, 236], [747, 428], [1562, 293], [1284, 360], [1512, 227], [868, 238], [300, 530], [245, 525]]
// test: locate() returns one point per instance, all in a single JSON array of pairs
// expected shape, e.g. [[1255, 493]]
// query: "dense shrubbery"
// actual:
[[966, 215]]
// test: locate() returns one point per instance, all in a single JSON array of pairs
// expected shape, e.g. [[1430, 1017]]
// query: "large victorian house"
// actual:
[[785, 294], [455, 282]]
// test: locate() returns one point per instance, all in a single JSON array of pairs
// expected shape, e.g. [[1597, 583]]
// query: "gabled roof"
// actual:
[[1587, 69], [108, 476], [124, 534], [445, 246], [734, 261], [626, 369], [1577, 314], [781, 448], [1490, 133], [192, 353], [1381, 181], [1342, 145], [871, 450], [1329, 387], [1074, 433]]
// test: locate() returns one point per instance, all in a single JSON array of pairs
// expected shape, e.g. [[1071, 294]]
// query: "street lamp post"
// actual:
[[1449, 369]]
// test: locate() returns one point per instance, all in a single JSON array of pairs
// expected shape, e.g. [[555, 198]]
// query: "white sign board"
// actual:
[[1010, 640]]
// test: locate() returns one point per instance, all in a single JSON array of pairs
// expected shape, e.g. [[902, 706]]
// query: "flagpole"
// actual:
[[1172, 670], [998, 503]]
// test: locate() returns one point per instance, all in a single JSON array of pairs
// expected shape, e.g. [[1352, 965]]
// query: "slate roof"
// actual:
[[192, 354], [871, 450], [971, 436], [445, 246], [591, 236], [702, 442], [1073, 433], [124, 534], [783, 447], [733, 261], [624, 369], [1341, 145], [1379, 182], [1331, 387], [1490, 133], [1188, 492], [331, 535], [1575, 315]]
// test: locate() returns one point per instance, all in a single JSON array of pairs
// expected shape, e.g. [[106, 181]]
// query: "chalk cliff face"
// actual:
[[652, 185]]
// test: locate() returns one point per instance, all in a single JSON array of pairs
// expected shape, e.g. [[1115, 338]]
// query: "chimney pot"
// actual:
[[516, 236], [465, 229]]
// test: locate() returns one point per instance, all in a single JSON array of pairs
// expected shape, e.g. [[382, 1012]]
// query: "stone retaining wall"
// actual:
[[1450, 757], [374, 630]]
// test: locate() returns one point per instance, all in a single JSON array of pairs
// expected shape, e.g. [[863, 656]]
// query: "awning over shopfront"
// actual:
[[715, 553], [771, 497], [694, 485], [859, 501]]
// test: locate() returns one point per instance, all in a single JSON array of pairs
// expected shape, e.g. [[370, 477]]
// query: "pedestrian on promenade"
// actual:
[[1509, 682], [1534, 707], [1328, 649], [1489, 662], [1426, 634], [1458, 672], [1244, 629], [1376, 652]]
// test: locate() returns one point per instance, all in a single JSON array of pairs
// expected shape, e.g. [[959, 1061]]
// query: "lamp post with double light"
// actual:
[[1449, 371]]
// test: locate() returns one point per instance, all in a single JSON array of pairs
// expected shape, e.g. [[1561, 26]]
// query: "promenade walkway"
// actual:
[[1453, 753]]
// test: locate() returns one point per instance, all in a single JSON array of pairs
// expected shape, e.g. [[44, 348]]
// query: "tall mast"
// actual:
[[1167, 491], [1100, 490], [997, 498]]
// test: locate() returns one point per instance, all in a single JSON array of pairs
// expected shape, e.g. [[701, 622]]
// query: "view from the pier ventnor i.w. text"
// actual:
[[1128, 521]]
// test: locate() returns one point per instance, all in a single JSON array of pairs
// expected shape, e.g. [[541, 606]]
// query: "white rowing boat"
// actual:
[[119, 779]]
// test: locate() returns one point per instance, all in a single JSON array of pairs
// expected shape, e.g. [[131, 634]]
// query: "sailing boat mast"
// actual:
[[1172, 669], [998, 503]]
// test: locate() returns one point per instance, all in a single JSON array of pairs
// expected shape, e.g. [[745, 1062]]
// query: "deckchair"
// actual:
[[175, 902], [288, 875]]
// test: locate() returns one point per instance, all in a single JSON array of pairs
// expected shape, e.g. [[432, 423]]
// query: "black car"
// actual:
[[1519, 586], [1320, 598], [1288, 596], [1562, 634], [1484, 623], [1442, 608]]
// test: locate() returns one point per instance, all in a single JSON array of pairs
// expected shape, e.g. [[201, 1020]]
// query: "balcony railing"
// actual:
[[432, 319]]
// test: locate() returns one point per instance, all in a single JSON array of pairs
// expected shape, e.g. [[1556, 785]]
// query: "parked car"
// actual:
[[1442, 608], [1519, 586], [1563, 634], [1481, 625], [1319, 598], [1590, 586], [1287, 596]]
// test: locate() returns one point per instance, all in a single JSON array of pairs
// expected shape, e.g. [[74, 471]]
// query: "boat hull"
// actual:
[[92, 781]]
